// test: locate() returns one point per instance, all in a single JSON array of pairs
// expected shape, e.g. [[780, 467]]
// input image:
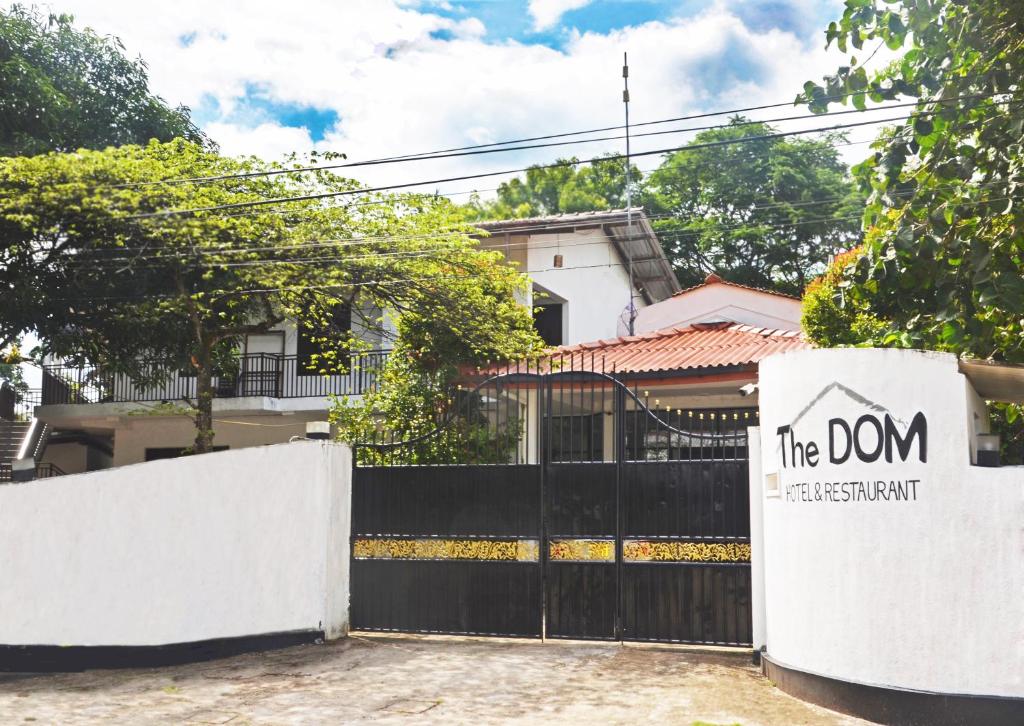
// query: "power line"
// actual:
[[478, 152], [92, 255], [426, 252], [434, 195], [492, 147], [467, 229], [357, 284], [613, 157], [334, 286]]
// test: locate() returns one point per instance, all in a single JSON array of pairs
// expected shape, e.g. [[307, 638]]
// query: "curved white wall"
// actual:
[[921, 587], [237, 543]]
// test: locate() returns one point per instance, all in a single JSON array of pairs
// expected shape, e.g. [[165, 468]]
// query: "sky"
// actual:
[[373, 78]]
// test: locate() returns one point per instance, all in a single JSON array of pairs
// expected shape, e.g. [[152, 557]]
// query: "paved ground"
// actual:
[[392, 680]]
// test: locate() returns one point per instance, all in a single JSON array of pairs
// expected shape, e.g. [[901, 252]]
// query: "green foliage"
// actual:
[[95, 278], [766, 213], [600, 184], [828, 318], [943, 261], [11, 374], [10, 370], [419, 407], [62, 89]]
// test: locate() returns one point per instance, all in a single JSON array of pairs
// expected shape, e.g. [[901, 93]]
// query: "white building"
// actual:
[[579, 264], [716, 300]]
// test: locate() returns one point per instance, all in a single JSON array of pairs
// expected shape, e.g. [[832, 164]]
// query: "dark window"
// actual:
[[576, 438], [548, 321], [172, 452], [307, 347]]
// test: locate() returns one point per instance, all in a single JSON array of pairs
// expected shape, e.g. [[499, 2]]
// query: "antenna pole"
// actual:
[[629, 195]]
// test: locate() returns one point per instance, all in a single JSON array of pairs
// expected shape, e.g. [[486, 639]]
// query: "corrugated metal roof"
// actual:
[[635, 243], [711, 345], [568, 218]]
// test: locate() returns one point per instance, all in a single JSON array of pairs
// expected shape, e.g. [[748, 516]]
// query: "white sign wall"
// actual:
[[888, 559]]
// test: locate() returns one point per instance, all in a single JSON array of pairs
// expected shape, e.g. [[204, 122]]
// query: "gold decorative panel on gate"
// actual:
[[643, 550], [428, 548], [581, 550]]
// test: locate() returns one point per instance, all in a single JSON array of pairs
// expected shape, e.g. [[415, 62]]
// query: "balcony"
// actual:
[[259, 374]]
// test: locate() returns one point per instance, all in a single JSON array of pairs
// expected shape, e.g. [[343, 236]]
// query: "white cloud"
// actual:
[[270, 140], [548, 12], [404, 80]]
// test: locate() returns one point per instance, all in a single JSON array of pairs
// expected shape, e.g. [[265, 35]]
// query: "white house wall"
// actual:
[[719, 301], [592, 279], [224, 545], [920, 591], [132, 436]]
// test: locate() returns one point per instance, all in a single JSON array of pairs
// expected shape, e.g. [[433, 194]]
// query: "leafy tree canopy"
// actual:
[[942, 266], [575, 187], [944, 257], [91, 262], [62, 88], [767, 213]]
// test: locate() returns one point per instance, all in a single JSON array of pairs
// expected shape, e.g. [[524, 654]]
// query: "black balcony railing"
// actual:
[[43, 471], [46, 470], [258, 374], [18, 405]]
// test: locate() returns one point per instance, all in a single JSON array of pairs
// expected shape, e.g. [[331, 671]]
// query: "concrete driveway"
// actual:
[[411, 679]]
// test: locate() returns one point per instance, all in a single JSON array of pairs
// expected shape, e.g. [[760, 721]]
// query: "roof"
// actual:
[[699, 346], [652, 272], [995, 381], [714, 279]]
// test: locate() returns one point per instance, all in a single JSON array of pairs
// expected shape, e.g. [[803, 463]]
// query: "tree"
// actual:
[[62, 89], [767, 213], [117, 280], [830, 321], [575, 187], [943, 259]]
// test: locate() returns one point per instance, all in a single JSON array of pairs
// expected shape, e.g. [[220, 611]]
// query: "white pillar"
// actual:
[[757, 597]]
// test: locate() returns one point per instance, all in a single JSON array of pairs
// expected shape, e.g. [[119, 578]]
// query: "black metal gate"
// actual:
[[560, 503]]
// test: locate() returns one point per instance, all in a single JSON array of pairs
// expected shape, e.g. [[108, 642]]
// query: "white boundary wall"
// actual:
[[237, 543], [918, 592]]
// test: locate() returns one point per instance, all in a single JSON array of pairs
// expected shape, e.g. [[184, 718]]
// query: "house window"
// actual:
[[576, 438], [547, 320], [307, 347]]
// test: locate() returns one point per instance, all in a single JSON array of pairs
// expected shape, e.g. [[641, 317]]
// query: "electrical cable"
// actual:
[[405, 185]]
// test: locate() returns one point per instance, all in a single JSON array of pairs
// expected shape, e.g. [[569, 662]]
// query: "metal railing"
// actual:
[[257, 374], [18, 405], [46, 470], [43, 471]]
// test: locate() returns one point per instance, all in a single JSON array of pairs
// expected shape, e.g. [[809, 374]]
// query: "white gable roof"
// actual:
[[717, 300]]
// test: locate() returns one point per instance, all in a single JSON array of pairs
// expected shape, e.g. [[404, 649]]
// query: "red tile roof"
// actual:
[[714, 279], [707, 345]]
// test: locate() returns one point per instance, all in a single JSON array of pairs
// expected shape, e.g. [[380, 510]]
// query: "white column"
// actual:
[[757, 597]]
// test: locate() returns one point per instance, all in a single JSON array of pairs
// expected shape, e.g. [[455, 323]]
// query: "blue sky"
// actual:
[[374, 78], [511, 19]]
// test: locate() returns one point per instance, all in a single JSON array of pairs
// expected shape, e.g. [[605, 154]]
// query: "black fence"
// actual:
[[447, 549], [43, 471], [18, 405], [258, 374], [558, 499]]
